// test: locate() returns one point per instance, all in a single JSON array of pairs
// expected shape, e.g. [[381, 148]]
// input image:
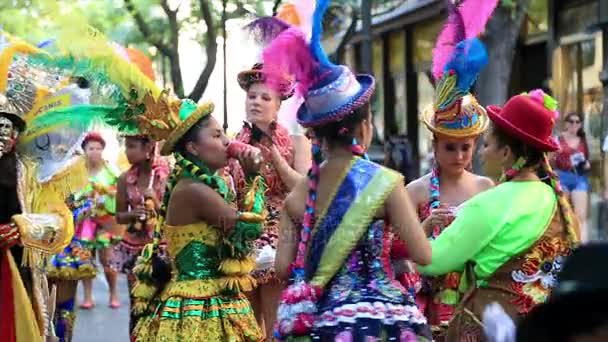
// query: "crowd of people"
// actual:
[[288, 232]]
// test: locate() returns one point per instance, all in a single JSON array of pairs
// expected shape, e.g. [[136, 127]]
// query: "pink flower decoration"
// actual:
[[408, 336], [538, 96], [345, 336]]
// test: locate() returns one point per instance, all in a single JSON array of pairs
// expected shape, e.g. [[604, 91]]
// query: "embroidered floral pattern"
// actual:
[[364, 299], [538, 274]]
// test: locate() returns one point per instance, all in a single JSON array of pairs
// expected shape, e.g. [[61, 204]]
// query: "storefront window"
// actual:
[[425, 35], [378, 104], [349, 56], [397, 48], [426, 94]]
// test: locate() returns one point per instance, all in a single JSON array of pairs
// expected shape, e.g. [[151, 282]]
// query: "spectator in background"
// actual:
[[572, 165]]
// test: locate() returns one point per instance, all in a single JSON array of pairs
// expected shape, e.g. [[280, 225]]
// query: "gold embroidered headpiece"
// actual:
[[168, 118]]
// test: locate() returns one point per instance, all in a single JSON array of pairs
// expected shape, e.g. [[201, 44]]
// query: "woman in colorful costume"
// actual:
[[343, 285], [262, 131], [456, 119], [139, 193], [94, 208], [35, 222], [210, 246], [286, 152], [513, 238]]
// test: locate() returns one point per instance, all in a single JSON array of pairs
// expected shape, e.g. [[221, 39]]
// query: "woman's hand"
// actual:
[[137, 213], [438, 217], [277, 159], [249, 162]]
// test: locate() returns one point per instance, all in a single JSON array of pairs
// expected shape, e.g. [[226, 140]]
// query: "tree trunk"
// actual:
[[502, 33], [350, 32], [210, 50], [501, 38]]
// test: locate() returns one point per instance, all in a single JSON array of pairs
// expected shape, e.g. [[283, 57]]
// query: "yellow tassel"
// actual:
[[139, 307], [86, 271], [28, 259], [144, 291], [237, 266], [71, 179], [244, 283], [143, 269]]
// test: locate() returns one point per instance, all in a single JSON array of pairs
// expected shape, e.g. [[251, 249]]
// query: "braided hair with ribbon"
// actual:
[[334, 134], [531, 158]]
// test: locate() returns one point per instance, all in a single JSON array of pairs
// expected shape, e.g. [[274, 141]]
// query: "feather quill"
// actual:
[[465, 21], [289, 54], [317, 31], [265, 29], [476, 15], [452, 33], [80, 117], [470, 56]]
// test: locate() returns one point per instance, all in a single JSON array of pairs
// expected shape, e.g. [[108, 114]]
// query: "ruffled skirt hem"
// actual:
[[218, 318]]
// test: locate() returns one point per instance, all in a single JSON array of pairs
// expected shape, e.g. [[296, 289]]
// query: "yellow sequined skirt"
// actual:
[[216, 318]]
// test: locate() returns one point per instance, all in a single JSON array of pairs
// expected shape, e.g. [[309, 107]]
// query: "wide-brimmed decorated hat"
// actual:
[[335, 96], [255, 75], [458, 58], [168, 118], [331, 92], [464, 118], [529, 117]]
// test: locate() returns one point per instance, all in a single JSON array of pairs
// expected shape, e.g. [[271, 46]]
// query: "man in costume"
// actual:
[[31, 227], [36, 176]]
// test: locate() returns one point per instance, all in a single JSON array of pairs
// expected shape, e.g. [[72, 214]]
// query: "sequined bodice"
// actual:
[[193, 251], [367, 273]]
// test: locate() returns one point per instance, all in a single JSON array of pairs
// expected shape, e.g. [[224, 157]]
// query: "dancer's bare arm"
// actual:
[[405, 222]]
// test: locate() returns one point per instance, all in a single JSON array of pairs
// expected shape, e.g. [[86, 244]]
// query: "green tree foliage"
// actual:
[[143, 24]]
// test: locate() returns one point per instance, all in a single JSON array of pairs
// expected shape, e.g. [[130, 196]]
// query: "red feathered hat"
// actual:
[[529, 118], [93, 136]]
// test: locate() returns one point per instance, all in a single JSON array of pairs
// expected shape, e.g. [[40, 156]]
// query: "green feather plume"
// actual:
[[81, 116]]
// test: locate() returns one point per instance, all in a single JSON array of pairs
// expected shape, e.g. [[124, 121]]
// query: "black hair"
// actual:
[[533, 156], [565, 318], [342, 132], [191, 135], [83, 83], [143, 139]]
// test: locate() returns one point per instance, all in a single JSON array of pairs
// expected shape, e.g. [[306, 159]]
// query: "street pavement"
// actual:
[[102, 324]]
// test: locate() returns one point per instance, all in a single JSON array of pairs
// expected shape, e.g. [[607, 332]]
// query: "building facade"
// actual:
[[560, 50]]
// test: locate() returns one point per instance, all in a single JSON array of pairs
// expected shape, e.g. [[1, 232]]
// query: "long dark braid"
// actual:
[[528, 158], [564, 205], [308, 222]]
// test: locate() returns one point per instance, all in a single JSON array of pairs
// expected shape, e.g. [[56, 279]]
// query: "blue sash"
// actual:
[[362, 192]]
